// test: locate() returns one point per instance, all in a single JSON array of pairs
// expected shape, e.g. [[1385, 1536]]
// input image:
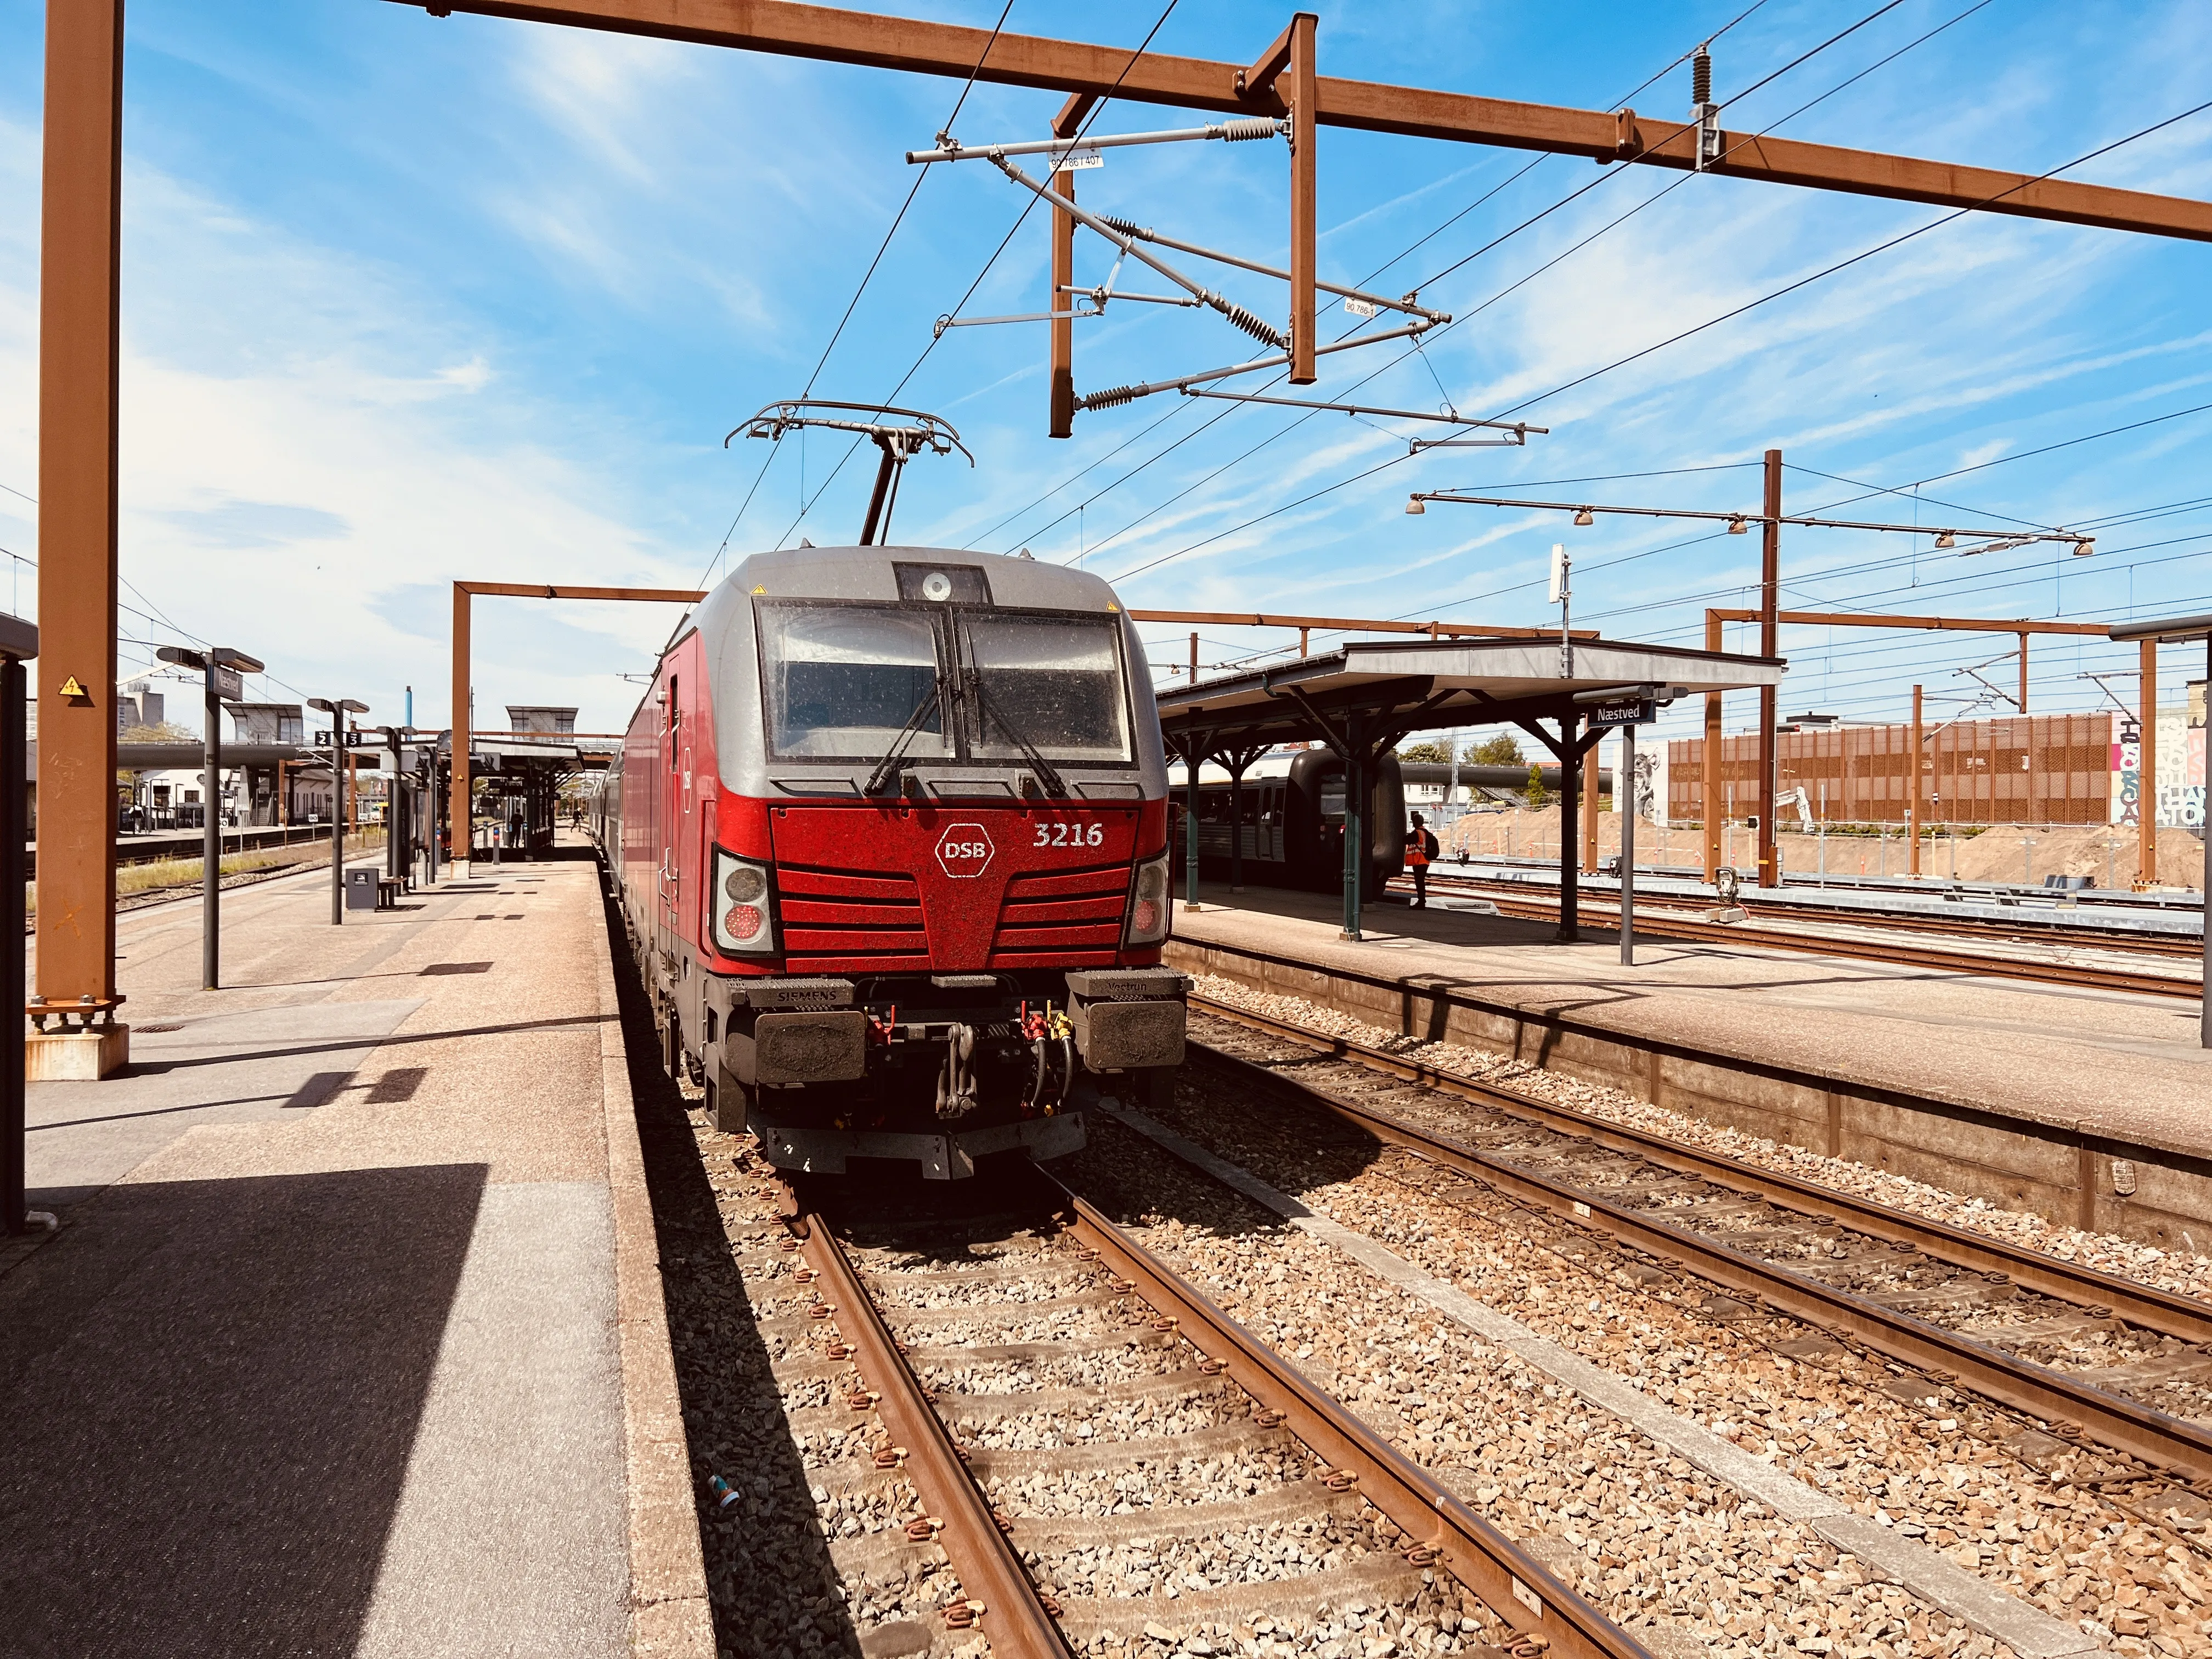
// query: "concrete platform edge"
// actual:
[[2065, 1173], [670, 1613]]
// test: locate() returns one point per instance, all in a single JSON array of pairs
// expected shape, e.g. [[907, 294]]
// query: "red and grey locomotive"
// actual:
[[890, 835]]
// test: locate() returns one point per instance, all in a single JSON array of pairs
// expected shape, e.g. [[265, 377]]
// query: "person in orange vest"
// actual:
[[1420, 848]]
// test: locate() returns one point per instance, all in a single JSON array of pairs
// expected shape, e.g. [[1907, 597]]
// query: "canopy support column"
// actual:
[[1238, 761]]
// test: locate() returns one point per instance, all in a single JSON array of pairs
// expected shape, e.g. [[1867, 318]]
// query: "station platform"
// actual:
[[2091, 1108], [351, 1338]]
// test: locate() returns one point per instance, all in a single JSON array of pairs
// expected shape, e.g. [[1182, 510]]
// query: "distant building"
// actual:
[[138, 704], [267, 722], [538, 717]]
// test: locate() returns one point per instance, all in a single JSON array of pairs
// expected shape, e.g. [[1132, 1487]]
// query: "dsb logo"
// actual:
[[964, 850]]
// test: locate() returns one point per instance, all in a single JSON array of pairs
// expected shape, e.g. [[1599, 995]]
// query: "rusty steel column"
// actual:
[[1710, 805], [1912, 813], [79, 308], [1063, 328], [1593, 780], [459, 860], [2023, 672], [1303, 97], [2146, 772], [1770, 644]]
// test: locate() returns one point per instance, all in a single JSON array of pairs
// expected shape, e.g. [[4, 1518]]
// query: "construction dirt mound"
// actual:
[[2007, 853]]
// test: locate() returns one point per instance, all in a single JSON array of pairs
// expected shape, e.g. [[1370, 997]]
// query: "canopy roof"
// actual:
[[1424, 685]]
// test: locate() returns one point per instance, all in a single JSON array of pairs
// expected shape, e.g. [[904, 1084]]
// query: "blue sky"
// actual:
[[409, 298]]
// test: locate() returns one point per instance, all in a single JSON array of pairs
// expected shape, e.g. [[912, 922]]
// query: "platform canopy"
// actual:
[[1363, 699], [1424, 685]]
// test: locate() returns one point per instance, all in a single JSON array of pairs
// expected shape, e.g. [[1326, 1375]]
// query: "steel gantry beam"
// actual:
[[463, 718], [918, 47]]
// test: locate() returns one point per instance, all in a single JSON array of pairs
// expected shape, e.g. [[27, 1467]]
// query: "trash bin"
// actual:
[[360, 890]]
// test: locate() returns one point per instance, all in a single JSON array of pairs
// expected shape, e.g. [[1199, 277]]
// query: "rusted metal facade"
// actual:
[[2042, 769]]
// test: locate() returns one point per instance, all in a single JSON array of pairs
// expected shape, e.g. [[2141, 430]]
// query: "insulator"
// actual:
[[1108, 398], [1125, 226], [1238, 133], [1701, 77], [1258, 327]]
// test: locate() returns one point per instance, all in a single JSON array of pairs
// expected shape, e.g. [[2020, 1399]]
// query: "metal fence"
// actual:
[[2040, 769]]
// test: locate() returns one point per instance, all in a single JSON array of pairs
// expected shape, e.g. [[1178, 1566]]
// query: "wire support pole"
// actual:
[[1130, 227], [1233, 133], [1738, 522], [1115, 396], [1258, 327], [1520, 429], [1769, 645]]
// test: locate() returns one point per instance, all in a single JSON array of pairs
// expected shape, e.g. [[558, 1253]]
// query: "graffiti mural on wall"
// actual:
[[2179, 789]]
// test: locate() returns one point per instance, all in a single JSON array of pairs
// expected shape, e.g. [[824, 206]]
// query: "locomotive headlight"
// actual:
[[741, 914], [1149, 904], [937, 587]]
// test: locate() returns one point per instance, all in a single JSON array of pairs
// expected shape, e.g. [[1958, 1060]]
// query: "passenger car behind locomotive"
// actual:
[[890, 835], [1291, 811]]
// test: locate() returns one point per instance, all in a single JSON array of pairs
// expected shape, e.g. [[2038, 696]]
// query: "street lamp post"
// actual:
[[338, 708], [220, 669]]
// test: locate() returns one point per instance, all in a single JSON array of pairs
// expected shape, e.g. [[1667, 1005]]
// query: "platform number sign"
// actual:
[[964, 850], [352, 739]]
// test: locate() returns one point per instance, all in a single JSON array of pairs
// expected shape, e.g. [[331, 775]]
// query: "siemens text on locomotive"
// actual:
[[890, 835]]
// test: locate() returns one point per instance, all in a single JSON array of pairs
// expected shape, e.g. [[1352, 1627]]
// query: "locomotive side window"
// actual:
[[1058, 678], [845, 680]]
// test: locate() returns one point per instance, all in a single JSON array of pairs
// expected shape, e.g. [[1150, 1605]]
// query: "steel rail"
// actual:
[[2163, 1441], [1512, 1583], [2081, 935], [989, 1568], [1955, 962], [2164, 1311]]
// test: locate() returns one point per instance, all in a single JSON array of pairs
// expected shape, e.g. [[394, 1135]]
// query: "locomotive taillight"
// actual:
[[744, 921], [1147, 922]]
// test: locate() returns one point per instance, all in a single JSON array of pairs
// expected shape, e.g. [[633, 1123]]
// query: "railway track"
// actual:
[[1964, 928], [1670, 923], [1099, 1456], [2086, 1356]]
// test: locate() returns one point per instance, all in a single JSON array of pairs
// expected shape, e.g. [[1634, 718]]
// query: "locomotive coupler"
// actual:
[[956, 1084]]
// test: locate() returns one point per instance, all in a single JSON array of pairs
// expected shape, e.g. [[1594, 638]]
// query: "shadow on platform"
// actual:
[[212, 1389], [733, 1409]]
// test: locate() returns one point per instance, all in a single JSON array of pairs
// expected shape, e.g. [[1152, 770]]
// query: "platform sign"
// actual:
[[229, 684], [1634, 711], [352, 739]]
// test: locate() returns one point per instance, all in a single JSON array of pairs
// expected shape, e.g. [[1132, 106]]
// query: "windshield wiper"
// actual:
[[987, 705], [895, 758]]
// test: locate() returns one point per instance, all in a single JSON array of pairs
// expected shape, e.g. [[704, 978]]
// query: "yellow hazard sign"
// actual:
[[72, 687]]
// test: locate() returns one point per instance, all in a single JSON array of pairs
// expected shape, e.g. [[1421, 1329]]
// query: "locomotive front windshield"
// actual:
[[846, 680], [849, 681], [1054, 681]]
